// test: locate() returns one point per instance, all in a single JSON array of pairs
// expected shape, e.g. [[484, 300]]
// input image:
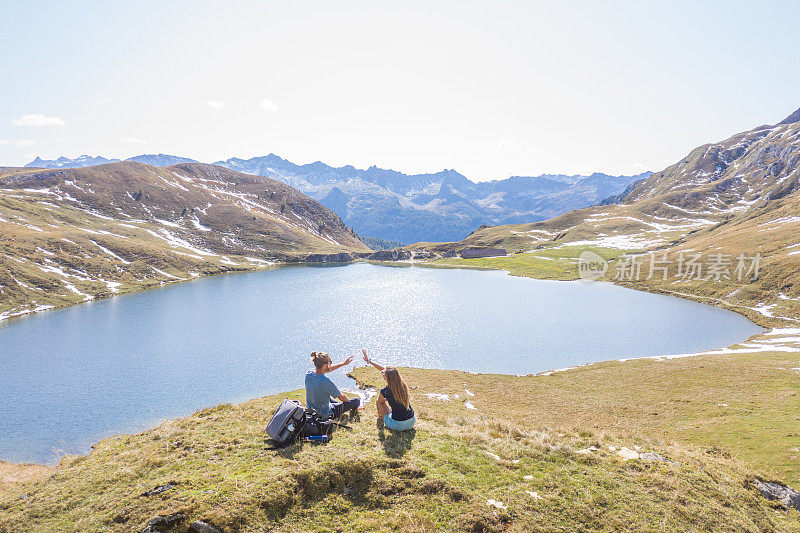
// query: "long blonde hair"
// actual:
[[397, 386]]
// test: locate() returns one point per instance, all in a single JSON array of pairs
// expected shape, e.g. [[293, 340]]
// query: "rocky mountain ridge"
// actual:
[[155, 160], [393, 206], [441, 206]]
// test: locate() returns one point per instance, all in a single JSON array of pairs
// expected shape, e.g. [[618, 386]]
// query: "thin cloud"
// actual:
[[504, 145], [103, 101], [134, 140], [18, 143], [511, 145], [268, 105], [213, 104], [37, 119]]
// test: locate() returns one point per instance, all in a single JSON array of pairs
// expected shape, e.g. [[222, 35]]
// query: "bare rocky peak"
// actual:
[[791, 119]]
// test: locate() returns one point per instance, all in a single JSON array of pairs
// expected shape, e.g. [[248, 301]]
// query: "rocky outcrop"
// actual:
[[775, 491], [397, 254], [341, 257], [390, 255], [164, 523], [159, 489], [198, 526]]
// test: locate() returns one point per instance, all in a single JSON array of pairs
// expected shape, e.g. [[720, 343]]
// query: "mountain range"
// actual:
[[393, 206], [156, 160]]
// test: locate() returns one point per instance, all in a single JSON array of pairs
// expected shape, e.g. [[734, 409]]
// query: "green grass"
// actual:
[[555, 263], [438, 477]]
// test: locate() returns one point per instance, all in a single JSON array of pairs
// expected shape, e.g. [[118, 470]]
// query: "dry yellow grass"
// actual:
[[20, 473]]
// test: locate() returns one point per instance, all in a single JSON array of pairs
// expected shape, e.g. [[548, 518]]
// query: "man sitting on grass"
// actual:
[[320, 389]]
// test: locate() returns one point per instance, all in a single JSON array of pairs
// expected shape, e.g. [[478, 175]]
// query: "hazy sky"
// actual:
[[488, 88]]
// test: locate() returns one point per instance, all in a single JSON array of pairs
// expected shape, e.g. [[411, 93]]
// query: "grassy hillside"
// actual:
[[738, 197], [68, 236], [550, 460], [743, 405]]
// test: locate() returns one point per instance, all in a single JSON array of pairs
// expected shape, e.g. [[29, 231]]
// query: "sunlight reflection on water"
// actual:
[[78, 374]]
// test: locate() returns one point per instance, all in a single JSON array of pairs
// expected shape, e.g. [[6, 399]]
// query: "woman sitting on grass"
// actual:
[[394, 405]]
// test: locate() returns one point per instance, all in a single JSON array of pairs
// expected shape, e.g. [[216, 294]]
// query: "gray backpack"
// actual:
[[287, 422]]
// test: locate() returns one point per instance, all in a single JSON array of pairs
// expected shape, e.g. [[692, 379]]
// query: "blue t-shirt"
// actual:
[[319, 391]]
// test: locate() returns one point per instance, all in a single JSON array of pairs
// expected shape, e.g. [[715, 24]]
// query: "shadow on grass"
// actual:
[[349, 418], [287, 452], [395, 443]]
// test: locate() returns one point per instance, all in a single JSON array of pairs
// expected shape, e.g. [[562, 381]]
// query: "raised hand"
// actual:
[[373, 363], [348, 360]]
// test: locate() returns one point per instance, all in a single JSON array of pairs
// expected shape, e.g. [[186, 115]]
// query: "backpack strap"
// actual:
[[310, 412]]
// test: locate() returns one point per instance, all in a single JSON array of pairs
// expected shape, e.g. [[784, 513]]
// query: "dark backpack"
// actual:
[[287, 422], [292, 421], [316, 426]]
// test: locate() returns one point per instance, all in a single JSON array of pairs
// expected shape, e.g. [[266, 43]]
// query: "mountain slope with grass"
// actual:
[[546, 462], [71, 235], [739, 198]]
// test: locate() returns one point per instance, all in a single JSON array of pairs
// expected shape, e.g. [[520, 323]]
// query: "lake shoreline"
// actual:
[[427, 265], [758, 319], [353, 373]]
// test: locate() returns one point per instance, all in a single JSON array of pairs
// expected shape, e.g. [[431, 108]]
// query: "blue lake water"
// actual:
[[73, 376]]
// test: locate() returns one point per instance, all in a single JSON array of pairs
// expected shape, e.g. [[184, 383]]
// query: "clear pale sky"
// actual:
[[490, 89]]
